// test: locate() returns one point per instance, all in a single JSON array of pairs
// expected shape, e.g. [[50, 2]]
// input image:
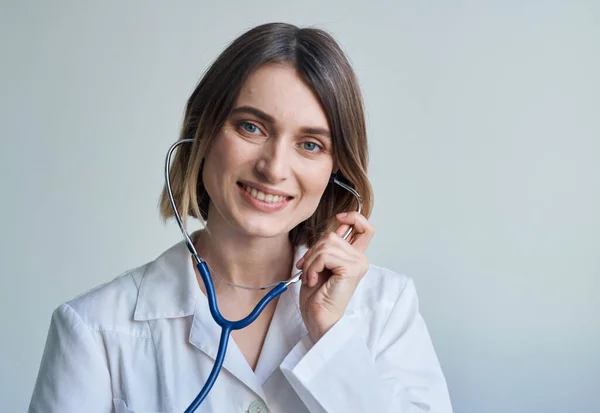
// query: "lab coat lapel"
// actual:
[[205, 335], [285, 331]]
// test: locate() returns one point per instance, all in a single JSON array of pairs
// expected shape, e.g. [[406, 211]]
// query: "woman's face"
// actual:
[[270, 164]]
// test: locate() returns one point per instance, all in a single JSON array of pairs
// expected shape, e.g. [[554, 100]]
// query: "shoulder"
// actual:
[[384, 306], [383, 284], [163, 288], [381, 290], [109, 306]]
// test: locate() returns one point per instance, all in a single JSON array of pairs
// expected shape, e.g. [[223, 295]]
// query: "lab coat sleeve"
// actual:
[[73, 375], [400, 374]]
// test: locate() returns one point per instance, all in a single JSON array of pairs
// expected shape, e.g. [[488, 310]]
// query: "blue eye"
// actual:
[[250, 127], [311, 146]]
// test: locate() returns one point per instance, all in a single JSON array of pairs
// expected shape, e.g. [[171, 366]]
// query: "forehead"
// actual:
[[279, 91]]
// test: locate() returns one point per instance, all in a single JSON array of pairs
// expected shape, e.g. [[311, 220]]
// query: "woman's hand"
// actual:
[[332, 269]]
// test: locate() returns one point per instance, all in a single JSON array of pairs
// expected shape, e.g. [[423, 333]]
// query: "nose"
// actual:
[[274, 163]]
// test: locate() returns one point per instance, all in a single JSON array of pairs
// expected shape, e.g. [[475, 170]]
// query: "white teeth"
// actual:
[[261, 196]]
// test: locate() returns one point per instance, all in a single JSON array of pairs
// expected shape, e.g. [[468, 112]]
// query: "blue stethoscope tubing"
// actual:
[[228, 326]]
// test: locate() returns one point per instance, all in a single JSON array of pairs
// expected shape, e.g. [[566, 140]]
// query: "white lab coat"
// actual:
[[146, 342]]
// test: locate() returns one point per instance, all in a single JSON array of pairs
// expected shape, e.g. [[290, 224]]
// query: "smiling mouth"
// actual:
[[263, 196]]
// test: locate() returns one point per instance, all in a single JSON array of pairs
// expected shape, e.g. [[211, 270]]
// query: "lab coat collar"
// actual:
[[168, 288]]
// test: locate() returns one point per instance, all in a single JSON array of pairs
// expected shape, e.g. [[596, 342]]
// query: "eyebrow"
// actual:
[[268, 118]]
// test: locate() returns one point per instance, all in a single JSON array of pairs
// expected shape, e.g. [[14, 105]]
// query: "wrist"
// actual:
[[320, 329]]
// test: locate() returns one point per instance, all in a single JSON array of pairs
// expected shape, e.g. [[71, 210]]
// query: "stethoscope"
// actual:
[[228, 326]]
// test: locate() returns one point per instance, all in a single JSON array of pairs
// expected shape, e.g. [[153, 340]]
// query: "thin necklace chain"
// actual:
[[245, 287]]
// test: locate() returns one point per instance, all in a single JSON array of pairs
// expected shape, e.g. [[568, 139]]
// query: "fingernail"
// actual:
[[300, 262], [342, 214]]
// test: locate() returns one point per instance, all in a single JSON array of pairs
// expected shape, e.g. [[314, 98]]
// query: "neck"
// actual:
[[244, 260]]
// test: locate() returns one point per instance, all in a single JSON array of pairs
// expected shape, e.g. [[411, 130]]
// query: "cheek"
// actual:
[[314, 185], [315, 182], [222, 156], [232, 151], [214, 161]]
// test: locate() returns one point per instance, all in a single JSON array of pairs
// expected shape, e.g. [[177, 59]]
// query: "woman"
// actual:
[[277, 113]]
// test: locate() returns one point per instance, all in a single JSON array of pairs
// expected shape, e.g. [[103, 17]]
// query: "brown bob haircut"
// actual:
[[321, 63]]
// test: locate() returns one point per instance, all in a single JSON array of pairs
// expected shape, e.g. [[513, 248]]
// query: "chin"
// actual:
[[264, 228]]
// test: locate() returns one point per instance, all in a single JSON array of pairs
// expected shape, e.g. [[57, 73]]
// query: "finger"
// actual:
[[301, 262], [307, 262], [321, 262], [324, 245], [330, 242], [363, 230], [316, 267], [358, 221], [341, 230]]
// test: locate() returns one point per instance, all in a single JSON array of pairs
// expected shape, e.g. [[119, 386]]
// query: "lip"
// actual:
[[262, 205], [265, 189]]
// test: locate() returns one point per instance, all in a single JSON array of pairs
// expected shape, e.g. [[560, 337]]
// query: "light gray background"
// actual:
[[485, 148]]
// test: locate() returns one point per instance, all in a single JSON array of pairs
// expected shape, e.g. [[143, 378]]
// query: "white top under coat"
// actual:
[[146, 342]]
